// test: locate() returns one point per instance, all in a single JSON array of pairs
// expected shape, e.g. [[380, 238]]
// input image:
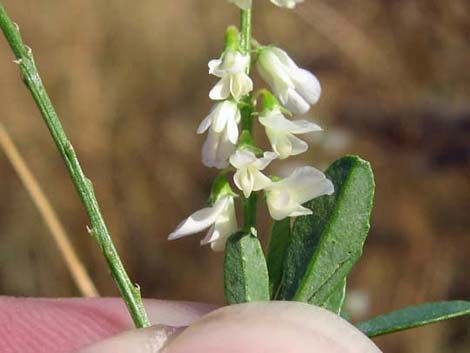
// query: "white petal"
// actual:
[[306, 84], [224, 112], [295, 103], [274, 73], [307, 183], [204, 125], [199, 220], [245, 181], [224, 151], [243, 4], [225, 225], [300, 211], [261, 181], [262, 163], [276, 120], [213, 64], [288, 4], [298, 146], [221, 90], [232, 130], [280, 143], [303, 127], [216, 150], [238, 116], [209, 149], [284, 58], [234, 62], [285, 197], [212, 235], [242, 159], [240, 85], [278, 201]]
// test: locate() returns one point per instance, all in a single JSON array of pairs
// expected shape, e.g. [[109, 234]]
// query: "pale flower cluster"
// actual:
[[294, 91]]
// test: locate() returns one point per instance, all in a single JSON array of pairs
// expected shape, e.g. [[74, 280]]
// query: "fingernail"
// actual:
[[147, 340]]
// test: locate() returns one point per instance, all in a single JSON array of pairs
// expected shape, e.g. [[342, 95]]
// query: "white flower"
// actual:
[[246, 4], [297, 89], [281, 132], [290, 4], [221, 142], [220, 219], [285, 197], [231, 68], [248, 177]]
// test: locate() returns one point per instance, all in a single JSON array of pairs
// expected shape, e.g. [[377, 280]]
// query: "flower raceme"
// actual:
[[222, 123], [219, 218], [297, 89], [248, 177], [246, 4], [285, 197], [281, 132], [231, 68]]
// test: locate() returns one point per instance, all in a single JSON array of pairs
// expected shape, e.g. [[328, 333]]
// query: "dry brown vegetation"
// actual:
[[130, 83]]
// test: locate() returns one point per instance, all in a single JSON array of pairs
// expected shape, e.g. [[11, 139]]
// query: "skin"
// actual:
[[103, 325]]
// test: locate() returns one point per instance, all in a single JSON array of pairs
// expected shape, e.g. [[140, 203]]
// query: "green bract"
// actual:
[[246, 275]]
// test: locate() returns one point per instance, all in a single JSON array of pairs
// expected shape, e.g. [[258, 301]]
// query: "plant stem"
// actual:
[[245, 25], [249, 204], [25, 61]]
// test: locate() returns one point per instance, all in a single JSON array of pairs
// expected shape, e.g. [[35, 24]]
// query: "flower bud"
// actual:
[[297, 89]]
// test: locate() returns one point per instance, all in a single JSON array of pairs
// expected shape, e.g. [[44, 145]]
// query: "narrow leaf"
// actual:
[[277, 250], [335, 301], [414, 316], [246, 273], [325, 245]]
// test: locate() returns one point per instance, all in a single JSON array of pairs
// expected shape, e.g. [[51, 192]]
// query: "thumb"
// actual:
[[275, 327]]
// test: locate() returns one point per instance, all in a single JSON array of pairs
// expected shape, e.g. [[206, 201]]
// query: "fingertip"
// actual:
[[148, 340], [275, 327]]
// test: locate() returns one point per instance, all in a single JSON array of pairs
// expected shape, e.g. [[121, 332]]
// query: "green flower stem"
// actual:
[[30, 75], [245, 25], [249, 212], [250, 203]]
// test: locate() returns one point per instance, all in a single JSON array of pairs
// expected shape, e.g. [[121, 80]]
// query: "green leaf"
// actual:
[[246, 273], [277, 250], [414, 316], [325, 245], [335, 301]]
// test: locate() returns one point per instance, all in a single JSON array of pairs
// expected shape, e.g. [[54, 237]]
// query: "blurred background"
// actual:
[[130, 83]]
